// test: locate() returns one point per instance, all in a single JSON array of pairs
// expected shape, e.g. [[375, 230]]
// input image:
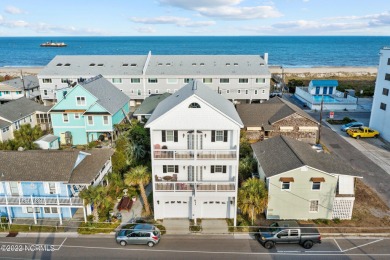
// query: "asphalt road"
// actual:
[[189, 247]]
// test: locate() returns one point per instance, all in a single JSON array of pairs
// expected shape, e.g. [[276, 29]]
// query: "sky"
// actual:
[[194, 17]]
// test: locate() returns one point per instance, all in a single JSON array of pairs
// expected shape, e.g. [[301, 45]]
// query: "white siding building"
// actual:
[[236, 77], [195, 136], [380, 113]]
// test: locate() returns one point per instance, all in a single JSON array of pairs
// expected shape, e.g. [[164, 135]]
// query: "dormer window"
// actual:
[[168, 64], [193, 64], [227, 64], [202, 64], [92, 64], [235, 64], [67, 64], [125, 64], [133, 65], [194, 105], [159, 64], [59, 64], [100, 65]]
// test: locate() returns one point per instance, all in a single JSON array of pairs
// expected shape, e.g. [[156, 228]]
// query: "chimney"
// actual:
[[265, 58]]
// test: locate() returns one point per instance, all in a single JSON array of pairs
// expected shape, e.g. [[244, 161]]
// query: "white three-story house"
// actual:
[[195, 135]]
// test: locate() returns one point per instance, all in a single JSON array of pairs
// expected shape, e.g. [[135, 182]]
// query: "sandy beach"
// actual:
[[299, 72]]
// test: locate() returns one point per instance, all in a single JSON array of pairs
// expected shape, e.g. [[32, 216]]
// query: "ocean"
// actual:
[[287, 51]]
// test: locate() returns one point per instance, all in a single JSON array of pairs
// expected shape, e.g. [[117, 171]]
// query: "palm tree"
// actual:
[[252, 197], [140, 176], [97, 196], [26, 135]]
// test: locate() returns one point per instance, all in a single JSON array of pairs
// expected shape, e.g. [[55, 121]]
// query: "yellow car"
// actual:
[[362, 131]]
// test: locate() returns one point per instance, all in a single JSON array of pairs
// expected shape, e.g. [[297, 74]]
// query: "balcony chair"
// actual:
[[157, 154]]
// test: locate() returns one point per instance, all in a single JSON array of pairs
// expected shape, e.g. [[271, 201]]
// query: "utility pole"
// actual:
[[319, 129]]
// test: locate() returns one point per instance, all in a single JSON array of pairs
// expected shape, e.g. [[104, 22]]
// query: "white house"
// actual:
[[48, 142], [195, 136], [380, 114], [236, 77], [25, 86]]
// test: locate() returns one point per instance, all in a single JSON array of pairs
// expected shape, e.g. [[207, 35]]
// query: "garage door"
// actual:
[[215, 209], [176, 209]]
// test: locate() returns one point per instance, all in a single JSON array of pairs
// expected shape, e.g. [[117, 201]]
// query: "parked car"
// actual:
[[140, 234], [363, 131], [288, 232], [351, 125]]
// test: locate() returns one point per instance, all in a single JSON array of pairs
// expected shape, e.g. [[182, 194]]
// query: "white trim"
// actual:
[[289, 186], [66, 127]]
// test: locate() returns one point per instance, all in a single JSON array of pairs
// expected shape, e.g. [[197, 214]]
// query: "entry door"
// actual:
[[199, 173], [195, 141], [190, 173], [317, 90], [330, 90], [325, 90]]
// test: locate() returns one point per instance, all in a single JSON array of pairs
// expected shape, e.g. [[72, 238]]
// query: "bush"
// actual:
[[322, 221], [336, 221], [195, 228], [94, 228]]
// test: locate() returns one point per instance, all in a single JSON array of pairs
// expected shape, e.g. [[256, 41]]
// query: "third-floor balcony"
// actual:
[[165, 154], [195, 186]]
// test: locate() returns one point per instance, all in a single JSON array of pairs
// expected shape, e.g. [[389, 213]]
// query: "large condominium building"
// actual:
[[195, 137], [240, 78], [380, 113]]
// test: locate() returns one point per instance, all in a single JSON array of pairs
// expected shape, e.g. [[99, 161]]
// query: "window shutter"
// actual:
[[164, 169], [224, 169], [46, 188], [176, 168], [213, 136], [225, 136], [175, 136], [212, 168], [163, 138]]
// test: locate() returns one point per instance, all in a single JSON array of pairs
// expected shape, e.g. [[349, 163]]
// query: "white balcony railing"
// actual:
[[41, 201], [164, 154], [195, 186]]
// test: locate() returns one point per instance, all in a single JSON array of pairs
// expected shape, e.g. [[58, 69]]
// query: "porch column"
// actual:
[[33, 209], [9, 215], [59, 215], [85, 215], [235, 211], [70, 212]]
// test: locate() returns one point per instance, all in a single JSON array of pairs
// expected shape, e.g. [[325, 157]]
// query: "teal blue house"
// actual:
[[88, 111]]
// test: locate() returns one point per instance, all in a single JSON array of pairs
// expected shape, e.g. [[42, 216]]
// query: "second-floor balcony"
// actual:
[[195, 186], [164, 154], [40, 201]]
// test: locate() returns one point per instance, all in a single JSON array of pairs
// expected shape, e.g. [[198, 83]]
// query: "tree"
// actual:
[[138, 150], [246, 166], [119, 158], [252, 197], [97, 196], [26, 135], [140, 176]]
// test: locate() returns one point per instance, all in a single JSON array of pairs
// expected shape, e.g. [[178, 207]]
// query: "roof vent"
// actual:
[[202, 64], [100, 64], [92, 64], [227, 64], [193, 64], [159, 64], [67, 64], [133, 65], [168, 64], [235, 64], [125, 64], [59, 64]]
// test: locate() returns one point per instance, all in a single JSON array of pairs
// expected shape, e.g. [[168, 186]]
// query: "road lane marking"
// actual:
[[61, 244], [372, 242], [337, 245]]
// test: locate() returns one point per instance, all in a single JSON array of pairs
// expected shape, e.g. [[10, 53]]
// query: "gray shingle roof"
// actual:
[[269, 112], [206, 65], [50, 165], [80, 65], [109, 96], [150, 103], [202, 91], [30, 81], [20, 108], [280, 154]]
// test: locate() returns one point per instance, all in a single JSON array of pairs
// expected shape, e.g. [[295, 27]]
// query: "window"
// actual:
[[90, 120], [152, 80], [202, 64], [224, 80], [105, 120], [172, 81], [256, 92], [133, 65], [383, 106], [194, 105], [263, 91], [116, 80], [207, 80], [260, 80], [387, 76], [283, 233], [238, 91], [76, 116], [67, 64], [52, 188], [45, 92], [54, 210], [80, 101], [246, 91], [50, 210], [243, 81], [313, 206], [228, 64], [138, 92], [18, 92], [316, 186], [5, 129], [125, 64], [294, 232], [170, 168], [156, 91], [64, 80], [65, 118], [30, 210], [170, 136], [149, 91], [227, 91], [135, 80], [59, 64], [385, 91], [14, 188], [188, 80], [388, 61], [100, 64], [218, 135], [218, 169], [285, 185], [46, 80]]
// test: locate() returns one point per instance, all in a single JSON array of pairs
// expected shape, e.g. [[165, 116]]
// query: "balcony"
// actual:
[[195, 186], [40, 201], [164, 154]]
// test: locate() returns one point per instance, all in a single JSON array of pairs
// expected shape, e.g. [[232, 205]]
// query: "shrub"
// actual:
[[336, 221]]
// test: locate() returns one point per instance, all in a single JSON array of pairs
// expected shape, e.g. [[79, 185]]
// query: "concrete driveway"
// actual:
[[177, 226], [214, 226]]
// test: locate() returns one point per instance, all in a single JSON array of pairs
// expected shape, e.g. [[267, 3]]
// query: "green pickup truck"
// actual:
[[289, 232]]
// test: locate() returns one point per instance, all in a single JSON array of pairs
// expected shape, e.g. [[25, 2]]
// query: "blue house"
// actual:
[[88, 111], [42, 184]]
